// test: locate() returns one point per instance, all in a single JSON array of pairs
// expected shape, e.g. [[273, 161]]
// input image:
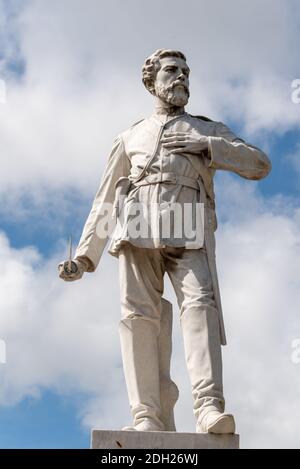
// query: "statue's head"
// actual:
[[166, 75]]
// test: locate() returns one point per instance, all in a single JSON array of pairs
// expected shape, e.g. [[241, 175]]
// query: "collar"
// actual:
[[164, 118]]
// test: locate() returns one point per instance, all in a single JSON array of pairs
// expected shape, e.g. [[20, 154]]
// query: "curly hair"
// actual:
[[152, 65]]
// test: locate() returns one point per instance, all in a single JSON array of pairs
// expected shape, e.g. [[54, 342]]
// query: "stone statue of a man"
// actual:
[[169, 158]]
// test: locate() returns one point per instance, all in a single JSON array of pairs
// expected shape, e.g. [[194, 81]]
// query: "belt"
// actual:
[[168, 178]]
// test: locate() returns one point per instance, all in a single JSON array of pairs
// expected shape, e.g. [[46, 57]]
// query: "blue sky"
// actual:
[[49, 422], [73, 82]]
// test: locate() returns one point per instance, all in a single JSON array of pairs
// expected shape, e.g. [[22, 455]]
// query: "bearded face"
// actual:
[[176, 94], [172, 81]]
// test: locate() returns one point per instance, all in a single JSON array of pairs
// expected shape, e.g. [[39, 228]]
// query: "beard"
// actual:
[[176, 94]]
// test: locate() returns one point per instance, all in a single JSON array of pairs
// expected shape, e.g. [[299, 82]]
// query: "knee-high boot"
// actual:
[[200, 327], [139, 346], [168, 390], [146, 353]]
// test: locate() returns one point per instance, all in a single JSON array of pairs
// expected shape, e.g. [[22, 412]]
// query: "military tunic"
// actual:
[[172, 177]]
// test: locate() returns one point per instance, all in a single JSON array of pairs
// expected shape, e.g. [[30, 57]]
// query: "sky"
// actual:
[[71, 82]]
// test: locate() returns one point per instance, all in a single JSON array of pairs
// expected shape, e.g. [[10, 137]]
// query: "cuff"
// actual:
[[86, 262]]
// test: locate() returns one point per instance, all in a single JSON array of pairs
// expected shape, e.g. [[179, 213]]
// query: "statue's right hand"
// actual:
[[73, 272]]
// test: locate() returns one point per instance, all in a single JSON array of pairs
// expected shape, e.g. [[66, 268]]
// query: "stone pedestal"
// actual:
[[107, 439]]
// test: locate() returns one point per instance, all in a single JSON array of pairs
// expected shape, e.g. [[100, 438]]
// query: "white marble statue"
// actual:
[[169, 158]]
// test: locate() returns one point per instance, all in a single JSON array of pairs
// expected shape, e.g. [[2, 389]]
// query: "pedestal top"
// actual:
[[109, 439]]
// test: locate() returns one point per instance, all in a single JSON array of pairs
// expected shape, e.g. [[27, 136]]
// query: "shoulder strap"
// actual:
[[136, 123], [149, 162], [203, 118]]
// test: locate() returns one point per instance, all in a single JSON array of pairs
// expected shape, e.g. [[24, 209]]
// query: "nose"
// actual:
[[181, 77]]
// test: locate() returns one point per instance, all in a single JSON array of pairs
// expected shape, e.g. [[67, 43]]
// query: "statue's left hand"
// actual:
[[181, 142]]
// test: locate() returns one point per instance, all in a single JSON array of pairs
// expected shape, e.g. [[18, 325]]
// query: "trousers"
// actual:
[[142, 273]]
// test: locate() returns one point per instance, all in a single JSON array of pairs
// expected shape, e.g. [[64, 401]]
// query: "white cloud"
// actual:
[[260, 271], [59, 336], [82, 84]]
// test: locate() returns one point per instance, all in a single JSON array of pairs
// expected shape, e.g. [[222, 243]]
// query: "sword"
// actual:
[[70, 267]]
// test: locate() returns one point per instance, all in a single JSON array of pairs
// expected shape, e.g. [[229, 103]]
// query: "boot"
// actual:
[[168, 390], [215, 421], [139, 345], [201, 335]]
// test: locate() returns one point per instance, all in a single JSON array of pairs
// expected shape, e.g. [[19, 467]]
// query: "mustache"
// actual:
[[178, 83]]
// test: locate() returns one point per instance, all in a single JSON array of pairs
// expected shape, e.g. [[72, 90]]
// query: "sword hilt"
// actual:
[[70, 267]]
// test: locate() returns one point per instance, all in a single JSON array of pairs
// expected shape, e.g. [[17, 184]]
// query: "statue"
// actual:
[[167, 159]]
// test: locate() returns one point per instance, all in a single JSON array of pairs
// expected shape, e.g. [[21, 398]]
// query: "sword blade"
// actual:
[[70, 254]]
